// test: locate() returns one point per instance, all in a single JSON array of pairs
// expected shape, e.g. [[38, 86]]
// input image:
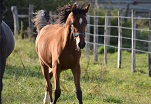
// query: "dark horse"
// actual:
[[6, 45], [58, 47]]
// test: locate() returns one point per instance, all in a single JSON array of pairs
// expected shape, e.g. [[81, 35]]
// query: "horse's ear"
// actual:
[[87, 8], [73, 7]]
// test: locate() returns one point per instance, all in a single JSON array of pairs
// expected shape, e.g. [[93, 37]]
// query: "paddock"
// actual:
[[105, 78]]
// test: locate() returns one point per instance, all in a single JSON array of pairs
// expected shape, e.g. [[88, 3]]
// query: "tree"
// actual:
[[22, 5]]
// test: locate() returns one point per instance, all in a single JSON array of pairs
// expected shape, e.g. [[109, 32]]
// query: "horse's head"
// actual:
[[77, 21]]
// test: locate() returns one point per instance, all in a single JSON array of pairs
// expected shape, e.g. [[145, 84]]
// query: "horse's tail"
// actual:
[[41, 19]]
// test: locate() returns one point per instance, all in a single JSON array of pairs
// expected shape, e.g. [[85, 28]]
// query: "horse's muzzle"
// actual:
[[81, 45]]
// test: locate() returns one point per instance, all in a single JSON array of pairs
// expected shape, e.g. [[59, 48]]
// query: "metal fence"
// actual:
[[93, 35]]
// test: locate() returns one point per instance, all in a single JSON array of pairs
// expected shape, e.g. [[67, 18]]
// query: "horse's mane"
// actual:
[[42, 17], [63, 12]]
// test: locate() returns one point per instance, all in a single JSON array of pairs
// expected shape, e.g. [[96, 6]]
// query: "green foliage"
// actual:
[[23, 5], [109, 49], [42, 4]]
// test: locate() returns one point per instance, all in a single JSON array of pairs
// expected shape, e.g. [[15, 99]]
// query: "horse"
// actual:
[[59, 47], [6, 45]]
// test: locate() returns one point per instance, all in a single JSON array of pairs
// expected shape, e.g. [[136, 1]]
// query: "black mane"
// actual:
[[63, 12]]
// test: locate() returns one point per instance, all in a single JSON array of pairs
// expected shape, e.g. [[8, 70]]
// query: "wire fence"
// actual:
[[134, 37]]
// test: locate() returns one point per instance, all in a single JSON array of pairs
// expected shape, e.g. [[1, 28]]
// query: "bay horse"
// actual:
[[6, 45], [59, 47]]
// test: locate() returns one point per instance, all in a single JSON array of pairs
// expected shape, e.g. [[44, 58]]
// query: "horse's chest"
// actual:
[[69, 58], [67, 61]]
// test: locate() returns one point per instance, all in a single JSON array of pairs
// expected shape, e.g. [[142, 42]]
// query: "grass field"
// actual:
[[101, 84]]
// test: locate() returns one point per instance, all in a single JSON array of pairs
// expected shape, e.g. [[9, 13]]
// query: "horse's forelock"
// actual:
[[79, 11]]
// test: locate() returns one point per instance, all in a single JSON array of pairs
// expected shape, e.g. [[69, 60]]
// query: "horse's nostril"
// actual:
[[81, 45]]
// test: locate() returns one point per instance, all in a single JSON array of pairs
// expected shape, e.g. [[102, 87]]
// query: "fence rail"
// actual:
[[107, 36], [16, 17]]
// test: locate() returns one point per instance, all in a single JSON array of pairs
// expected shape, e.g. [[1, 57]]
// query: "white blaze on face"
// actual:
[[80, 20], [77, 42]]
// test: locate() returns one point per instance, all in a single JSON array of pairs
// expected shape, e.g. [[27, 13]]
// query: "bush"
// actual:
[[109, 49]]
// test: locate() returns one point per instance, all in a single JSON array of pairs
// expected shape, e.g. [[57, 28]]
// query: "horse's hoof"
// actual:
[[46, 101], [46, 98]]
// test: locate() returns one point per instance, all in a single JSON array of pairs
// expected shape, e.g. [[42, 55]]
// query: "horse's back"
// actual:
[[8, 39], [51, 29], [47, 33]]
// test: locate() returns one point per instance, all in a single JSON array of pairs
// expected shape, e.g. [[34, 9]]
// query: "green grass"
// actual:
[[101, 84]]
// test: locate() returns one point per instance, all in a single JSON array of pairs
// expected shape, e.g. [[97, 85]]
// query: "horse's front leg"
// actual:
[[76, 73], [56, 76]]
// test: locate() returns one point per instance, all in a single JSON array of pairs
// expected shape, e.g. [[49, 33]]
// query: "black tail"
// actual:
[[41, 19]]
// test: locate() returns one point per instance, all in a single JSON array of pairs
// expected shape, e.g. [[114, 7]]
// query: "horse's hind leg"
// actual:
[[76, 73], [56, 76], [2, 68], [48, 92]]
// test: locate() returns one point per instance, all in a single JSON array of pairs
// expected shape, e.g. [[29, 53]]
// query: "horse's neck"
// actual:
[[69, 41]]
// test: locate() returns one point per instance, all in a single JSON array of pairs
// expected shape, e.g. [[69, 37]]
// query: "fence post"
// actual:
[[133, 40], [119, 58], [88, 37], [149, 45], [16, 20], [51, 17], [106, 35], [31, 10], [95, 39]]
